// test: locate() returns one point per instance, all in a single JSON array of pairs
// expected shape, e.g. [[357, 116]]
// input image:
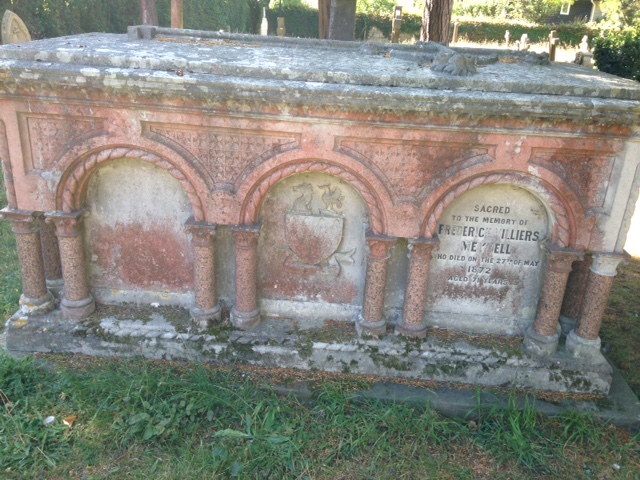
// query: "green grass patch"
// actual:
[[620, 331], [10, 278], [145, 419]]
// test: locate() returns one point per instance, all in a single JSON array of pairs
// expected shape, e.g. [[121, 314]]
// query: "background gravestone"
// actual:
[[13, 29]]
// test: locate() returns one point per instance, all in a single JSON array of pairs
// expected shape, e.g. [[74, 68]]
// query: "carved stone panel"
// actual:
[[411, 169], [586, 172], [45, 138], [223, 155], [312, 242], [486, 275], [138, 249]]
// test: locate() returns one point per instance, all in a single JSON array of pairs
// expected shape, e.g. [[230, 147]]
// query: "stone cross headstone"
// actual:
[[396, 24], [264, 26], [13, 29], [375, 35], [584, 45], [553, 44], [456, 32]]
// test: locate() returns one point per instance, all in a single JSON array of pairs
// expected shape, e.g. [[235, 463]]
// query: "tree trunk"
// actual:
[[324, 9], [436, 21], [149, 12]]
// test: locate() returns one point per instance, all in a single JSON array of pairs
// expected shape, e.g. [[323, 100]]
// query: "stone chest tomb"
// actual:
[[405, 211]]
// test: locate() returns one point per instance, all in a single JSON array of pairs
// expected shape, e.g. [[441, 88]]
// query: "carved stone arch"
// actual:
[[563, 232], [253, 201], [72, 188]]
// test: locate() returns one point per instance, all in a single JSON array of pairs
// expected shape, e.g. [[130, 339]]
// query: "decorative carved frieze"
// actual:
[[45, 138], [586, 172], [224, 154], [410, 169]]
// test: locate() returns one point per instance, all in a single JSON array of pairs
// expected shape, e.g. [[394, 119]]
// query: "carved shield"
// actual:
[[313, 238]]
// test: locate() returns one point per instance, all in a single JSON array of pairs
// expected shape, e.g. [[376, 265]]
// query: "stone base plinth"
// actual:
[[245, 320], [414, 331], [37, 306], [537, 344], [169, 333], [204, 318], [77, 309], [582, 347], [375, 329]]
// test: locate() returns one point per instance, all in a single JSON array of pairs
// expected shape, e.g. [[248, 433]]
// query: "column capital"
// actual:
[[561, 259], [606, 264], [203, 233], [422, 247], [379, 245], [246, 236], [67, 224], [24, 221]]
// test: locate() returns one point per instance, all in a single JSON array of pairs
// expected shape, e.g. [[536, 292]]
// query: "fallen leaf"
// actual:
[[70, 420]]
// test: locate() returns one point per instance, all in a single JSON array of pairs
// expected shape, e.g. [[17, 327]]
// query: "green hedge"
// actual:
[[619, 54], [54, 18], [480, 31], [64, 17], [300, 21]]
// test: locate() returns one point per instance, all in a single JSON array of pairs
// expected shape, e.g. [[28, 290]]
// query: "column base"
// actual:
[[414, 331], [56, 287], [77, 309], [37, 306], [582, 347], [203, 318], [540, 345], [376, 329], [567, 324], [245, 320]]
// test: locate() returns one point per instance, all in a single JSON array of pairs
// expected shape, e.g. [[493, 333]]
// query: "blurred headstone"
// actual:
[[282, 31], [13, 29]]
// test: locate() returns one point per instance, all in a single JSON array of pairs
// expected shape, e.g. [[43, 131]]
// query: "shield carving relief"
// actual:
[[313, 238], [311, 248]]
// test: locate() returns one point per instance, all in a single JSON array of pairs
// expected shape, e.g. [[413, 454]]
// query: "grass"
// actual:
[[10, 278], [144, 419]]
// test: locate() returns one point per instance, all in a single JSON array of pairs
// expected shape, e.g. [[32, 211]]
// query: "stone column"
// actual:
[[245, 313], [542, 338], [371, 321], [35, 298], [77, 302], [574, 294], [51, 257], [584, 340], [413, 323], [206, 306]]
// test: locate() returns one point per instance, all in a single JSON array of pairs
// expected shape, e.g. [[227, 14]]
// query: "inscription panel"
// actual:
[[490, 263]]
